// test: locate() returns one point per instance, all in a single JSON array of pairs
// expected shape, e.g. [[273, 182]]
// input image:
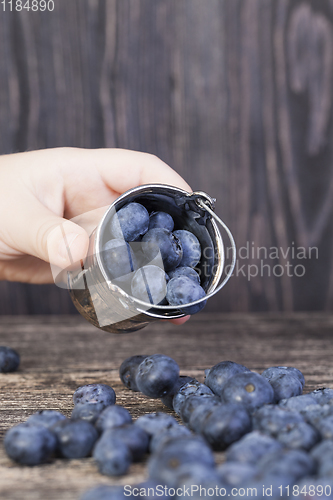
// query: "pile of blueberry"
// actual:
[[162, 259], [276, 440]]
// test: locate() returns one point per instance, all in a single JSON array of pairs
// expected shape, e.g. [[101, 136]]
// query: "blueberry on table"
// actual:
[[225, 424], [293, 463], [161, 220], [160, 439], [285, 386], [251, 447], [112, 416], [200, 413], [167, 461], [185, 271], [29, 444], [163, 241], [299, 435], [9, 359], [299, 403], [322, 453], [112, 455], [130, 222], [193, 402], [191, 248], [248, 388], [46, 418], [75, 439], [154, 423], [87, 411], [270, 419], [217, 376], [189, 475], [182, 380], [183, 290], [119, 259], [149, 284], [157, 375], [128, 369], [94, 393], [133, 436], [236, 473], [189, 389], [323, 395], [274, 371]]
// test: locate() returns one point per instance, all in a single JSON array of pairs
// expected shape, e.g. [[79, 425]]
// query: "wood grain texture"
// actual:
[[60, 353], [235, 95]]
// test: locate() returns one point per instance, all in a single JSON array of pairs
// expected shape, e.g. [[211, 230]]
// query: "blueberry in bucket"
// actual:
[[149, 284], [191, 248], [119, 259], [163, 241], [161, 219], [182, 290], [130, 222]]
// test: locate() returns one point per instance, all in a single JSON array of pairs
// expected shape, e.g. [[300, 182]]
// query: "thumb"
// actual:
[[40, 232]]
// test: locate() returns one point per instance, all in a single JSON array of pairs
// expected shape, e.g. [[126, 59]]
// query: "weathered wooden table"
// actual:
[[58, 354]]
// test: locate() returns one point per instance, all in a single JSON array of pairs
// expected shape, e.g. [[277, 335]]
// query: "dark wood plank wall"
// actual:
[[236, 95]]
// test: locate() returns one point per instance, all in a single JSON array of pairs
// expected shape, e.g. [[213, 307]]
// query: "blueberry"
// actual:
[[322, 453], [149, 489], [182, 380], [200, 413], [160, 439], [187, 390], [161, 220], [325, 427], [149, 284], [294, 463], [75, 438], [217, 376], [163, 241], [249, 388], [271, 419], [9, 359], [185, 271], [225, 424], [191, 248], [157, 375], [46, 418], [274, 371], [285, 386], [87, 411], [236, 473], [29, 444], [112, 455], [193, 402], [182, 290], [299, 435], [313, 414], [119, 259], [112, 416], [130, 222], [106, 492], [154, 423], [192, 475], [252, 447], [95, 393], [128, 369], [323, 395], [166, 462], [298, 403], [133, 436]]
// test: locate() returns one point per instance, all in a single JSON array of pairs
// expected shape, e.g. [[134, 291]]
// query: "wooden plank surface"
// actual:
[[235, 95], [60, 353]]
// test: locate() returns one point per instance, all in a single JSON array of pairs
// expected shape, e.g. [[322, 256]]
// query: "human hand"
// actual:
[[42, 190]]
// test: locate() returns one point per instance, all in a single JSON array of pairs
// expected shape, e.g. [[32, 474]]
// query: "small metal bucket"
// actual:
[[107, 306]]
